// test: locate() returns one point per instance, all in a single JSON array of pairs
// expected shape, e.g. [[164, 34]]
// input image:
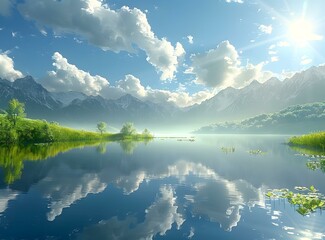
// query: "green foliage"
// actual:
[[313, 140], [128, 129], [12, 157], [128, 146], [228, 150], [297, 118], [311, 152], [146, 133], [307, 199], [8, 134], [101, 126], [256, 152], [39, 131], [15, 111], [314, 165]]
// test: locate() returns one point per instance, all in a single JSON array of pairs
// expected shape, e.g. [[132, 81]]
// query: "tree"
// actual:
[[146, 133], [128, 129], [101, 126], [15, 111]]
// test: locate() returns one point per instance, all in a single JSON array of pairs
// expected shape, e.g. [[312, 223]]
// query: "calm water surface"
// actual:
[[165, 189]]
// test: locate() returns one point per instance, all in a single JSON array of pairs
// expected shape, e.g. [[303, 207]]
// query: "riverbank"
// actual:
[[27, 131], [313, 140]]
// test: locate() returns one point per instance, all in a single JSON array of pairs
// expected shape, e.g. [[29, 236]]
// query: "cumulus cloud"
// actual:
[[132, 85], [5, 7], [221, 67], [68, 77], [113, 30], [7, 70], [267, 29]]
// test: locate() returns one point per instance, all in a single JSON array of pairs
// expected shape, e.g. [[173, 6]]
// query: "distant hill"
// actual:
[[295, 119]]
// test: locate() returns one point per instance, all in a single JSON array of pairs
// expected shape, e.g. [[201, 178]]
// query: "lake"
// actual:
[[172, 188]]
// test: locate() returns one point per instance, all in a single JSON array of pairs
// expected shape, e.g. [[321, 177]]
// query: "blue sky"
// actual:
[[165, 51]]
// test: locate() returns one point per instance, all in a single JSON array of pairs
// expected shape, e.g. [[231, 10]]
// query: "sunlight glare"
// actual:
[[301, 32]]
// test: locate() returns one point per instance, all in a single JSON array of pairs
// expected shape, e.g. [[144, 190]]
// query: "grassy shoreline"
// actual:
[[28, 131], [312, 140]]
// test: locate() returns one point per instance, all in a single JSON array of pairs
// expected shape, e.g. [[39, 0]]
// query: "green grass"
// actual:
[[313, 140], [41, 131]]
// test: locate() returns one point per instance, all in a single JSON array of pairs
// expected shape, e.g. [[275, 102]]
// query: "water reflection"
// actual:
[[165, 188], [159, 218], [12, 157]]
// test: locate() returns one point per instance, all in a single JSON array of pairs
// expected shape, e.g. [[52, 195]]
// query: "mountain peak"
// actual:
[[28, 79], [272, 81], [127, 96], [254, 83], [27, 82]]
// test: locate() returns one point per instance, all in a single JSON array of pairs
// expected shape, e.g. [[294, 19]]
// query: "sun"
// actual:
[[301, 32]]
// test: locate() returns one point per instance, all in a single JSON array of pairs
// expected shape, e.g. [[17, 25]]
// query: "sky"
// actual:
[[181, 52]]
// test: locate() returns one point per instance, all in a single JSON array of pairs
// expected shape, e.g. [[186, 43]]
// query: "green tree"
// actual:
[[101, 126], [128, 129], [146, 133], [15, 111]]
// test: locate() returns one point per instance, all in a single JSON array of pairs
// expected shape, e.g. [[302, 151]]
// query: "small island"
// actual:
[[15, 128]]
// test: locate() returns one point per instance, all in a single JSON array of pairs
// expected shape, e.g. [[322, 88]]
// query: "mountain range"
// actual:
[[78, 109], [273, 95]]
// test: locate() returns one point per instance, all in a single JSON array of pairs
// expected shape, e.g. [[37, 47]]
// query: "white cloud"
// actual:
[[286, 74], [63, 196], [132, 85], [271, 52], [5, 7], [68, 77], [159, 218], [283, 44], [267, 29], [43, 32], [221, 67], [274, 59], [6, 195], [7, 70], [305, 60], [235, 1], [190, 39], [114, 30]]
